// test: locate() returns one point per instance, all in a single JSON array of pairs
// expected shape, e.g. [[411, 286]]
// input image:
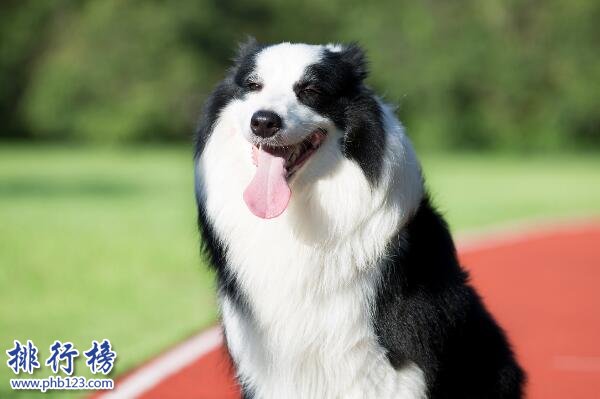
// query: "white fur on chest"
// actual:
[[316, 347], [309, 275]]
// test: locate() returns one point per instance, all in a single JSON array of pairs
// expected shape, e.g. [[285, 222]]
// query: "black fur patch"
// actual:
[[427, 313], [343, 98], [232, 87], [245, 62], [220, 97]]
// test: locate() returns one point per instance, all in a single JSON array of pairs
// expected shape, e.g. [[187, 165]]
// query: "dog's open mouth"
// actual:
[[295, 155], [268, 194]]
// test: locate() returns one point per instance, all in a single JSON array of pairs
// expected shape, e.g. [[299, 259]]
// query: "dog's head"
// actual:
[[302, 110]]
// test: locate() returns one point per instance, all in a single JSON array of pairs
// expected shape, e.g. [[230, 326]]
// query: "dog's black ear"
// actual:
[[245, 48], [355, 56]]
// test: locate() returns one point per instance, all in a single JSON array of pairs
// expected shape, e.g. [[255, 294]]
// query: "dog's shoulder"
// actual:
[[427, 312]]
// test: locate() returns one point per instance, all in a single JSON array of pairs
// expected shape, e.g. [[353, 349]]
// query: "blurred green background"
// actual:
[[508, 74], [98, 102]]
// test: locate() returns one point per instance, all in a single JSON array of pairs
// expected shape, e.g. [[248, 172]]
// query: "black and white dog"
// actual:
[[336, 277]]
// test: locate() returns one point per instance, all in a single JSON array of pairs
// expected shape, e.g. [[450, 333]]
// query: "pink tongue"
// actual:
[[268, 193]]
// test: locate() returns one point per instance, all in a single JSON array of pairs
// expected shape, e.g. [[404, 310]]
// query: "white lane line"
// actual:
[[167, 364], [577, 363]]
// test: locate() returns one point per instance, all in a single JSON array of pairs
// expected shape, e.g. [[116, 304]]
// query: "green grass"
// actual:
[[477, 191], [99, 243]]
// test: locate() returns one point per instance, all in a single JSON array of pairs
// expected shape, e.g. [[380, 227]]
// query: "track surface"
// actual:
[[542, 287]]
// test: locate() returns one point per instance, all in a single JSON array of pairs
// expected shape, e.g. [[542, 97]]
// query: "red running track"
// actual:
[[542, 288], [544, 292]]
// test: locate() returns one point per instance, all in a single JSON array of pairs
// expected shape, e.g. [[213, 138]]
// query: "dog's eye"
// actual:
[[311, 89], [253, 86]]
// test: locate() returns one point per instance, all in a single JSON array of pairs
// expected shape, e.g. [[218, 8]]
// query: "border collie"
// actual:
[[336, 276]]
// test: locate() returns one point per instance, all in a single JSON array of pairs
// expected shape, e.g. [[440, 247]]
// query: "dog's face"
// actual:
[[290, 102], [284, 95], [301, 114]]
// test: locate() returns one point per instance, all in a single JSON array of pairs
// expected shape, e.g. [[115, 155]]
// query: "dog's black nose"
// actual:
[[265, 123]]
